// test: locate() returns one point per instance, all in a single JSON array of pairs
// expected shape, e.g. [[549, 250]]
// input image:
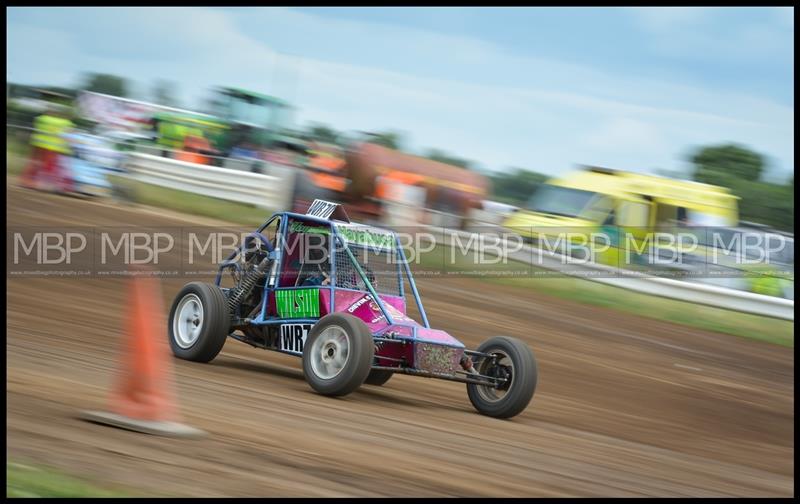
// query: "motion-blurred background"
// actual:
[[461, 112], [474, 119]]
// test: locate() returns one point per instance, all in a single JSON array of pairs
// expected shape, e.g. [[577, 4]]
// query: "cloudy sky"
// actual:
[[541, 88]]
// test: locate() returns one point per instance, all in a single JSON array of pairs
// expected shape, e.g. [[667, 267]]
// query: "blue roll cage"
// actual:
[[278, 256]]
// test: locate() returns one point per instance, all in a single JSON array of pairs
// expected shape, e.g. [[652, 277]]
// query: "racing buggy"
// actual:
[[333, 292]]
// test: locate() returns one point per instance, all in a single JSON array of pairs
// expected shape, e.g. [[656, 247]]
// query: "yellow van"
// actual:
[[610, 202]]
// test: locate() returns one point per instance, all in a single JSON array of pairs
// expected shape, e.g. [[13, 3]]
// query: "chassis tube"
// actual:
[[463, 379], [364, 278], [257, 234], [413, 287]]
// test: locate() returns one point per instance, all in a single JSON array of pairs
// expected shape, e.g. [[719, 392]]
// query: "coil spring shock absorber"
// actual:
[[247, 283]]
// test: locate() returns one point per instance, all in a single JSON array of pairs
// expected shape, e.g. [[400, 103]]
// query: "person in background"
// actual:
[[49, 146], [245, 151], [92, 157], [195, 149]]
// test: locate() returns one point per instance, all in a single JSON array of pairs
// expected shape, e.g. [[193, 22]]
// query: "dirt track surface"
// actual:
[[625, 406]]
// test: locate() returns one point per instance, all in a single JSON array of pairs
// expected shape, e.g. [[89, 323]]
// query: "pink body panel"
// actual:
[[324, 302], [362, 306]]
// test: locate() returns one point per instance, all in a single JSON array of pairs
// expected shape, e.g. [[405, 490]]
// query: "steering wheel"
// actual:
[[254, 248]]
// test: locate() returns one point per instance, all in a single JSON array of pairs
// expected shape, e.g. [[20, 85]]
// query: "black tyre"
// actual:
[[337, 356], [199, 322], [378, 377], [515, 361]]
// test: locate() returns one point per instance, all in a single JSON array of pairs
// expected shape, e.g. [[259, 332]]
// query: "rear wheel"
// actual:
[[514, 362], [378, 377], [337, 357], [199, 322]]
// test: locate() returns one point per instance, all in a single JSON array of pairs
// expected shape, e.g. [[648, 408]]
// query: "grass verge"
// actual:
[[28, 481], [16, 158], [194, 204], [771, 330]]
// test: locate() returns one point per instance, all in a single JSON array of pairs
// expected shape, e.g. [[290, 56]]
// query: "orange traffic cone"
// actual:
[[144, 389], [143, 398]]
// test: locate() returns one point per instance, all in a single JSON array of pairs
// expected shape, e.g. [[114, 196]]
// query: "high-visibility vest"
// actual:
[[191, 157], [49, 133], [169, 134], [766, 284], [173, 135]]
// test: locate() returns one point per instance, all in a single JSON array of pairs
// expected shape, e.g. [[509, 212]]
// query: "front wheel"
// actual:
[[337, 356], [514, 362], [199, 322]]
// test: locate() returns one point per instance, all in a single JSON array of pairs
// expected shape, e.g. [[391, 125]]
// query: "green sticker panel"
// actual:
[[297, 303]]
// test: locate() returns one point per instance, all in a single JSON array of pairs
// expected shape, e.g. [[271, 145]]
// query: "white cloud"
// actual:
[[714, 34], [668, 19], [626, 133], [785, 16], [24, 42]]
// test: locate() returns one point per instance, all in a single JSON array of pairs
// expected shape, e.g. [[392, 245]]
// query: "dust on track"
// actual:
[[625, 405]]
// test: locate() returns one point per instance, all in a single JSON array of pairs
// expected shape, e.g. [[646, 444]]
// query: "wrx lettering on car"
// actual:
[[293, 337]]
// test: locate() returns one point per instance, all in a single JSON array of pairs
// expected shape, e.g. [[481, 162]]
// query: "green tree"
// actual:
[[516, 185], [717, 163], [765, 203], [739, 169], [443, 157], [106, 84], [61, 92], [164, 93], [390, 139], [323, 133], [13, 90]]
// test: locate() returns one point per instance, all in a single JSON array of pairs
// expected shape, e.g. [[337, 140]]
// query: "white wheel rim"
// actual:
[[329, 352], [188, 321], [492, 394]]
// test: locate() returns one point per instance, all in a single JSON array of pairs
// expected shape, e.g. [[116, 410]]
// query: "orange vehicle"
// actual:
[[327, 167], [372, 170], [368, 174]]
